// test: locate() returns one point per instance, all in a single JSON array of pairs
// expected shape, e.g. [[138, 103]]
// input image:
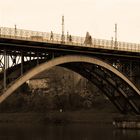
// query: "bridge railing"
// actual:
[[67, 39]]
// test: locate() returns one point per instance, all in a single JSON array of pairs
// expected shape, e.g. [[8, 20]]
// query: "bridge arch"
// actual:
[[64, 60]]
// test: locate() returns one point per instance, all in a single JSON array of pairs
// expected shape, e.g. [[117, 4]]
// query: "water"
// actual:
[[66, 132]]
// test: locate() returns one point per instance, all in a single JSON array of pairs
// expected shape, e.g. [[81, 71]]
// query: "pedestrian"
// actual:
[[51, 37], [67, 36], [70, 38], [15, 29]]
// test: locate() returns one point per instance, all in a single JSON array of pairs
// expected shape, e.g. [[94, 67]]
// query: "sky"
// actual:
[[98, 17]]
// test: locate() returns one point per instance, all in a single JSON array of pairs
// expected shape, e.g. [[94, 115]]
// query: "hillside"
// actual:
[[57, 89]]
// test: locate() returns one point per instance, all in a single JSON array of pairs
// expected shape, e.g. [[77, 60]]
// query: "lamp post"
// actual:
[[62, 37], [116, 44]]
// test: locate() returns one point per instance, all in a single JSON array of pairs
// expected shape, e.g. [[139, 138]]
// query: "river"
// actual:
[[66, 132]]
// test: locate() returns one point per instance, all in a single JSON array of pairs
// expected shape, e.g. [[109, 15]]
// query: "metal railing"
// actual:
[[21, 34]]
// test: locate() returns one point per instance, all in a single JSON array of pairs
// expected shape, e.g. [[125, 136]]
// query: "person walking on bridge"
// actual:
[[51, 37]]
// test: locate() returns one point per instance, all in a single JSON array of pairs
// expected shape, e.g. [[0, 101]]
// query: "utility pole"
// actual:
[[116, 44], [63, 37]]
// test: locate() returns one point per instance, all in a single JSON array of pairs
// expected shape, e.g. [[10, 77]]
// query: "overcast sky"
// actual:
[[96, 16]]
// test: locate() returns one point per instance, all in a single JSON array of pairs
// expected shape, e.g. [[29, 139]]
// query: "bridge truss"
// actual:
[[22, 50]]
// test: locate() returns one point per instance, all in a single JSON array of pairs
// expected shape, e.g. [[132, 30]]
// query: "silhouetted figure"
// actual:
[[67, 36], [15, 30], [51, 37], [88, 39], [70, 38]]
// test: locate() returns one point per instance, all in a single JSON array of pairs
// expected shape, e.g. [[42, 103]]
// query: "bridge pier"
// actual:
[[134, 72], [4, 68], [22, 61]]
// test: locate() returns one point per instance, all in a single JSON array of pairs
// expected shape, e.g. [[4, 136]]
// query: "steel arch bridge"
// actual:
[[115, 71]]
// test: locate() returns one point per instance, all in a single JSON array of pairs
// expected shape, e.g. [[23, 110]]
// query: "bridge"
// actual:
[[114, 67]]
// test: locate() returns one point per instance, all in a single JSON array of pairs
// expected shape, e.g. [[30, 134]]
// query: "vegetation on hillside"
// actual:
[[61, 93]]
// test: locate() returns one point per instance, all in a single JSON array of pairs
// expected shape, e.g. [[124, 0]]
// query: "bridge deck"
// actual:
[[52, 38]]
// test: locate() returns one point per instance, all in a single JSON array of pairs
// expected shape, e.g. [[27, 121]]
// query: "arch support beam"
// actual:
[[99, 77], [64, 60]]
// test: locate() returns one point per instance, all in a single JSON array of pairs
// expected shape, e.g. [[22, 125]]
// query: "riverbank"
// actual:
[[81, 116]]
